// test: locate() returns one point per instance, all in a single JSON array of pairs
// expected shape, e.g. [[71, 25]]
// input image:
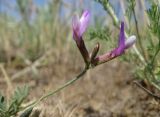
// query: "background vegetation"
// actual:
[[37, 50]]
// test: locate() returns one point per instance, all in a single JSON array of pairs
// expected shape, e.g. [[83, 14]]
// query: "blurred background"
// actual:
[[32, 26]]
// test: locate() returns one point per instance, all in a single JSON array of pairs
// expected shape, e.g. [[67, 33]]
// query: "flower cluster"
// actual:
[[80, 25]]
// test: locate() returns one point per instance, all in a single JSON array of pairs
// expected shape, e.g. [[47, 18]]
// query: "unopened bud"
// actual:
[[95, 51]]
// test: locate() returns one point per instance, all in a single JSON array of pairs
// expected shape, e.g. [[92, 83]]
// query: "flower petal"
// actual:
[[117, 52], [75, 26], [121, 36], [75, 22], [84, 21], [130, 41]]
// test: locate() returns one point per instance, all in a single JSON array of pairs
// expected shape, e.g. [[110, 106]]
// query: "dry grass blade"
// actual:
[[32, 67], [7, 78]]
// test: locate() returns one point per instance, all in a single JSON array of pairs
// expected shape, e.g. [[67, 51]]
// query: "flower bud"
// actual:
[[95, 51]]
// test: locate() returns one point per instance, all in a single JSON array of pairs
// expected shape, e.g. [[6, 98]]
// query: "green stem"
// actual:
[[151, 67], [58, 89], [137, 30], [156, 53]]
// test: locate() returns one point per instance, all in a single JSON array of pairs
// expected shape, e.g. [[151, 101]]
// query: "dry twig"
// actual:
[[146, 90]]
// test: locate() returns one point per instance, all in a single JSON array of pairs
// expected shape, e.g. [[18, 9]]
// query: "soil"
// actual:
[[104, 91]]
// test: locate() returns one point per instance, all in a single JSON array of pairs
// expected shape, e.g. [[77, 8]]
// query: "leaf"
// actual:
[[154, 15], [102, 34], [2, 103], [157, 72], [20, 94], [18, 97], [130, 8]]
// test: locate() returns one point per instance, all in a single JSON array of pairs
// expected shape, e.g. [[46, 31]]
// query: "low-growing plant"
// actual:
[[147, 66], [79, 26], [11, 107]]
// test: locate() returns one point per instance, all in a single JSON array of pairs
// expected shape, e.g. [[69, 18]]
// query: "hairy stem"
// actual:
[[137, 30], [156, 53]]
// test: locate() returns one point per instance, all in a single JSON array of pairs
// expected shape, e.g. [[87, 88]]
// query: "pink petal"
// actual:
[[121, 36], [75, 26], [84, 21]]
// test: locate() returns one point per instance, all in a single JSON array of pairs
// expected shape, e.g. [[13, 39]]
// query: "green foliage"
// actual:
[[22, 5], [11, 108], [129, 10], [103, 2], [2, 105], [98, 33], [157, 72], [154, 15]]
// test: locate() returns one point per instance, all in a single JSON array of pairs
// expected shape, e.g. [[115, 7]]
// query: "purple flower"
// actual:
[[122, 46], [80, 25]]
